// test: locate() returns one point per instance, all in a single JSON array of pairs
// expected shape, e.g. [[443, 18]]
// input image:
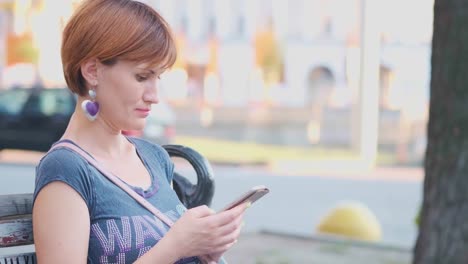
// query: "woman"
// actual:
[[113, 53]]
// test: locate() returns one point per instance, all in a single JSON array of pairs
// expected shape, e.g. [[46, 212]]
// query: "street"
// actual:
[[296, 203]]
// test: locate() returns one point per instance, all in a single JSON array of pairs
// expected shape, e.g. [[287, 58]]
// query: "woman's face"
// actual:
[[125, 93]]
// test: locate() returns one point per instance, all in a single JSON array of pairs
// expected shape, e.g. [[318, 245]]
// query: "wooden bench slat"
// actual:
[[14, 204], [16, 230], [19, 259]]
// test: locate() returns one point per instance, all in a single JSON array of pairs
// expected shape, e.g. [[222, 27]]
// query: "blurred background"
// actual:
[[324, 101]]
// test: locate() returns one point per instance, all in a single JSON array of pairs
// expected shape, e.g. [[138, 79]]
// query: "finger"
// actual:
[[230, 227], [225, 217], [229, 237], [222, 248], [241, 207], [237, 210], [220, 219], [201, 211]]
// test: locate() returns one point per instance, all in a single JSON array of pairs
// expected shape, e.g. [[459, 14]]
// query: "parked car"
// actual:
[[36, 117]]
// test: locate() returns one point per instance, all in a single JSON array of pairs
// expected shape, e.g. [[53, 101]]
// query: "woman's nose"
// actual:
[[151, 94]]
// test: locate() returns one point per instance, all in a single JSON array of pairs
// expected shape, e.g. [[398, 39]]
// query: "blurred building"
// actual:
[[32, 36], [238, 51], [305, 54], [317, 42], [301, 54]]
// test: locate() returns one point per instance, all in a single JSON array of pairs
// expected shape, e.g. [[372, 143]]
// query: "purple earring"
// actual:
[[90, 107]]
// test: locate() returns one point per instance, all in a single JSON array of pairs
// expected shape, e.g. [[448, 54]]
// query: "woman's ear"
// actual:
[[89, 71]]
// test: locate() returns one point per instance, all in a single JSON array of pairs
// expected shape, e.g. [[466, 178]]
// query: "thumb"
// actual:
[[201, 211]]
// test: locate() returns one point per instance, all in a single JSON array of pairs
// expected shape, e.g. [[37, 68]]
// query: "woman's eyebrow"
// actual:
[[149, 70]]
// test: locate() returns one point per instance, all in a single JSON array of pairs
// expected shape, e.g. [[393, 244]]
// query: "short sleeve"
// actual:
[[65, 166]]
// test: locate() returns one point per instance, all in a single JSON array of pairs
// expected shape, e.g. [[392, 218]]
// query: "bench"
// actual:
[[16, 234]]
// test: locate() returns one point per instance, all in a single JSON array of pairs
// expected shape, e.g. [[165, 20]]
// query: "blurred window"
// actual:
[[12, 101], [52, 102], [386, 78]]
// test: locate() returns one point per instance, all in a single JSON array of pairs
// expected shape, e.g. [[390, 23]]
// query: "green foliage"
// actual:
[[417, 219]]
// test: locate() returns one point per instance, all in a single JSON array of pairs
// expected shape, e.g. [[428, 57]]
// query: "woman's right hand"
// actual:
[[201, 231]]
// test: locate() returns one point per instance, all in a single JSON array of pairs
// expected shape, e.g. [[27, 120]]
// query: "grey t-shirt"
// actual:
[[121, 229]]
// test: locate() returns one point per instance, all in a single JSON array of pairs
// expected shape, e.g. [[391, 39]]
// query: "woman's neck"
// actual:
[[97, 137]]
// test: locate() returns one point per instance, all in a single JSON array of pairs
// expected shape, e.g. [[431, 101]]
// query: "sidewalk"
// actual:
[[271, 248]]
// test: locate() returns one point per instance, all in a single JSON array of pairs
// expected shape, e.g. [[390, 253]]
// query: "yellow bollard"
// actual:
[[352, 220]]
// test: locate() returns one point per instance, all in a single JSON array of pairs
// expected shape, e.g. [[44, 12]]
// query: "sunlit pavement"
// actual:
[[20, 156], [296, 204], [346, 169]]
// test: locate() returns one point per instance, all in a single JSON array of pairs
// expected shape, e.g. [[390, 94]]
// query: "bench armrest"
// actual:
[[192, 195]]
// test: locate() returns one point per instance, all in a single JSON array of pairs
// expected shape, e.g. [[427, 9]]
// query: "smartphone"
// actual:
[[251, 196]]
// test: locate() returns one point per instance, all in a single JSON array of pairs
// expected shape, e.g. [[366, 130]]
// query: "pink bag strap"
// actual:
[[116, 180]]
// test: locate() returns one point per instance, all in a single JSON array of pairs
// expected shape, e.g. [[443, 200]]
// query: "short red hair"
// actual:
[[112, 30]]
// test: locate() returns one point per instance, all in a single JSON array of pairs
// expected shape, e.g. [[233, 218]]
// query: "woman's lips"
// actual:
[[143, 112]]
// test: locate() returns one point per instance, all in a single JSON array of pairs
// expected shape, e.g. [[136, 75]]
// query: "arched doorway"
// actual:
[[320, 84]]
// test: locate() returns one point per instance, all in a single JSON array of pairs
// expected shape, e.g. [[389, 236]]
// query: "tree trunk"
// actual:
[[443, 236]]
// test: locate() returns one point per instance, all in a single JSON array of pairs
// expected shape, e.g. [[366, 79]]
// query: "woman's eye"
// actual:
[[141, 78]]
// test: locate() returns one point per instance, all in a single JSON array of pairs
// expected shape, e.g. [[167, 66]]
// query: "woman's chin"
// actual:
[[134, 130], [137, 125], [132, 133]]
